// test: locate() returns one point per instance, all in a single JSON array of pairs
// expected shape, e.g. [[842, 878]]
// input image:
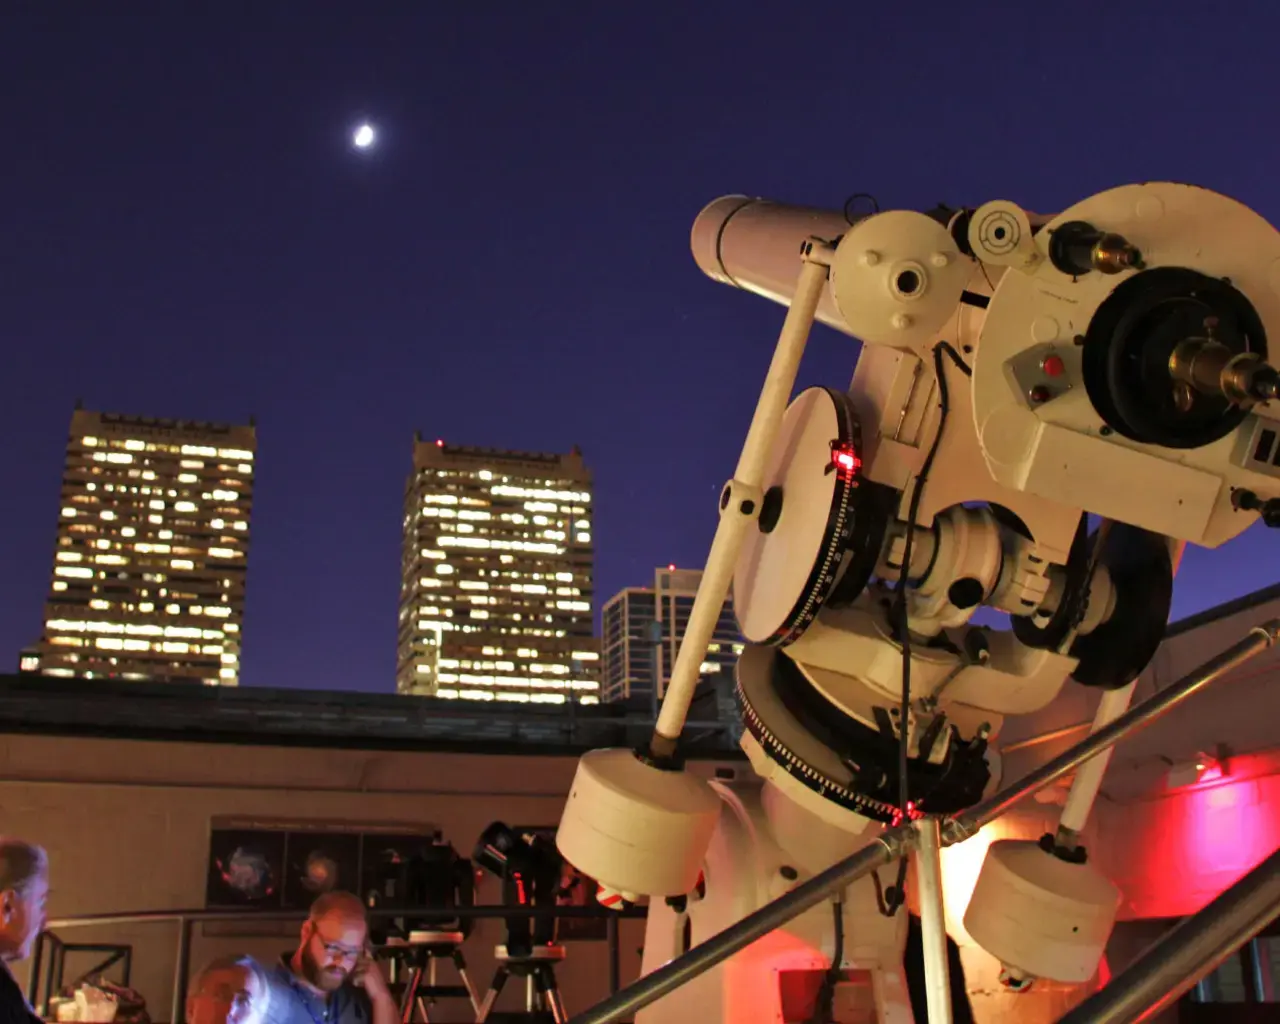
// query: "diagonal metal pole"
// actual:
[[1255, 642]]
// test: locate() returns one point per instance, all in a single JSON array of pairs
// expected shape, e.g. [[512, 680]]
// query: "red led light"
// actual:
[[913, 814], [671, 567], [439, 444], [845, 460]]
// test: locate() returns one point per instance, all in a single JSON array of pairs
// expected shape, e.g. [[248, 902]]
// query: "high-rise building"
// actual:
[[496, 588], [643, 629], [149, 567]]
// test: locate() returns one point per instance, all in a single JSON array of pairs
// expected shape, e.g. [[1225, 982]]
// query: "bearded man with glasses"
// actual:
[[331, 978]]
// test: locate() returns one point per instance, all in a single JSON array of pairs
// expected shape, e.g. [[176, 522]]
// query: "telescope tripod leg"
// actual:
[[460, 962], [410, 1002], [491, 997], [544, 977]]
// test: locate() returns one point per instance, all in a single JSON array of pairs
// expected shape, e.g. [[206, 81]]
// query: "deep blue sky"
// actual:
[[186, 232]]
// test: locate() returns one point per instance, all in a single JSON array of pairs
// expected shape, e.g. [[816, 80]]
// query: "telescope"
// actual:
[[433, 876], [1021, 375], [530, 867]]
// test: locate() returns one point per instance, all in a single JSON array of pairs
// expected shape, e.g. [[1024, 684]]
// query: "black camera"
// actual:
[[530, 867], [432, 876]]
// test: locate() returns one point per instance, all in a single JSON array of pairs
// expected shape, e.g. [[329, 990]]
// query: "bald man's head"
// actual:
[[338, 905], [229, 990], [334, 936]]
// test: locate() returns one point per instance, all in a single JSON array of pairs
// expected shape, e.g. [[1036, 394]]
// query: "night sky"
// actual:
[[186, 231]]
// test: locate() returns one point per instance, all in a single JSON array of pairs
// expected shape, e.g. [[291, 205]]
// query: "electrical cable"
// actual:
[[824, 1009], [889, 901]]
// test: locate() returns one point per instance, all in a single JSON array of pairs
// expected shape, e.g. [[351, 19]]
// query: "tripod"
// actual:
[[542, 994], [422, 953]]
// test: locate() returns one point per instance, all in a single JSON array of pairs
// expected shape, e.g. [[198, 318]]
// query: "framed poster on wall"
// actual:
[[276, 864], [246, 869]]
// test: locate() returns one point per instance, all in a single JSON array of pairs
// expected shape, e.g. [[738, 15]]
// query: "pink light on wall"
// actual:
[[1183, 849]]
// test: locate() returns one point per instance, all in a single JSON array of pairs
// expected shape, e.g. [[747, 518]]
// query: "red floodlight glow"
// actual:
[[439, 443]]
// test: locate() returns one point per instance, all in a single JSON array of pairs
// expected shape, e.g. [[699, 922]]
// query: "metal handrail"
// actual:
[[895, 842], [1187, 953], [186, 918]]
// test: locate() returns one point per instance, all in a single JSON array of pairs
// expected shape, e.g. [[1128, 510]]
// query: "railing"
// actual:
[[57, 953], [184, 919], [1186, 942], [1189, 952]]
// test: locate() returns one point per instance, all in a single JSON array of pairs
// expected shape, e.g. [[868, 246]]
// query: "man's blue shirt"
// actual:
[[292, 1002]]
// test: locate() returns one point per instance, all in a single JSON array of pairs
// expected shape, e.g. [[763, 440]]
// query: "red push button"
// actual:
[[1053, 366]]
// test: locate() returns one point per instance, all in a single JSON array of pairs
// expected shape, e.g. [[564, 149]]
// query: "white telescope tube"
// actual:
[[754, 244]]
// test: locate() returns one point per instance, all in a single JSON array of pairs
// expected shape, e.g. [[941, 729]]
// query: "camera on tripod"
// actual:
[[430, 876], [530, 868]]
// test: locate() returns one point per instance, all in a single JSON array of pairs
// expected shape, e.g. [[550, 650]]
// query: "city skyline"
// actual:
[[509, 264], [126, 476], [150, 560]]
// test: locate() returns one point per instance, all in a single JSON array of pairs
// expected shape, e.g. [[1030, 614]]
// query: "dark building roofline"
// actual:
[[166, 422], [181, 712], [508, 454]]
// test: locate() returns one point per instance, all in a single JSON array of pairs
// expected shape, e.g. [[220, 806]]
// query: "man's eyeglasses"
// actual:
[[337, 951]]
